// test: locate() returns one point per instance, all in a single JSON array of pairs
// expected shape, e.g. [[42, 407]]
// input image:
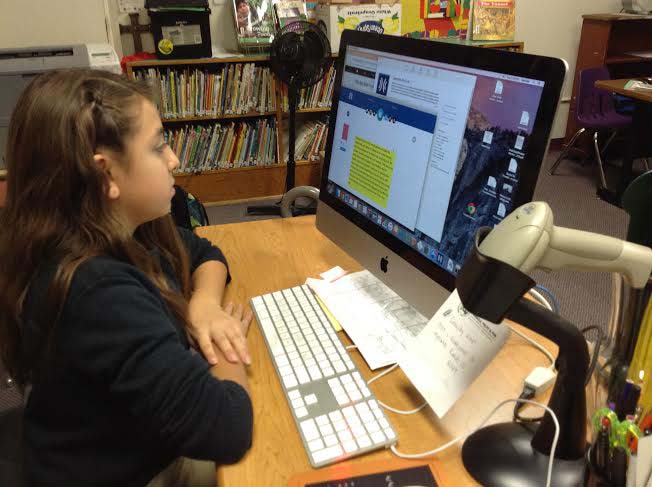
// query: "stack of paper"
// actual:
[[376, 319]]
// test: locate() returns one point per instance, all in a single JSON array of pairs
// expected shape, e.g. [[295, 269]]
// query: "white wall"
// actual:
[[25, 23], [553, 28]]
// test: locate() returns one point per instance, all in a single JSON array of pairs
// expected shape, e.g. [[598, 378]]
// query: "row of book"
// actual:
[[318, 95], [310, 140], [224, 146], [236, 88]]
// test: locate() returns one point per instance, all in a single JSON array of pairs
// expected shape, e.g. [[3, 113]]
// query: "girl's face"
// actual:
[[142, 186]]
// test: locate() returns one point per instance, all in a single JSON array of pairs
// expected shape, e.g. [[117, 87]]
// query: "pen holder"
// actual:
[[593, 477]]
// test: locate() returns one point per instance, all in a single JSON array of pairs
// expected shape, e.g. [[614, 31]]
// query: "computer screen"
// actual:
[[429, 142]]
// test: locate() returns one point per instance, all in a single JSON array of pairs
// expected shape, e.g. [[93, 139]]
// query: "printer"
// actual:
[[18, 66]]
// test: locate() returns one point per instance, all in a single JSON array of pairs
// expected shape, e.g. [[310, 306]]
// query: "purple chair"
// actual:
[[594, 112]]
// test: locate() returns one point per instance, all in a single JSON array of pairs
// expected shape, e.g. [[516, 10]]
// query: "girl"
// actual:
[[100, 294]]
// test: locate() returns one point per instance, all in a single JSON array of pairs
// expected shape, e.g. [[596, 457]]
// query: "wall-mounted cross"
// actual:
[[136, 30]]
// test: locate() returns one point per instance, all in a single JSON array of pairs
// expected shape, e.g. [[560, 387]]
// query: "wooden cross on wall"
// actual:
[[136, 30]]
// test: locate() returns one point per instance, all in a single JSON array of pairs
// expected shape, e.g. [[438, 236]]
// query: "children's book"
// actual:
[[254, 23], [288, 11], [493, 20], [430, 19]]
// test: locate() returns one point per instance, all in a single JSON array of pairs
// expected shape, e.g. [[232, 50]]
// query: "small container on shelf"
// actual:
[[181, 29]]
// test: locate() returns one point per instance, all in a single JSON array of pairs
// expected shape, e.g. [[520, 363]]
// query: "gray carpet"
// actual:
[[584, 298]]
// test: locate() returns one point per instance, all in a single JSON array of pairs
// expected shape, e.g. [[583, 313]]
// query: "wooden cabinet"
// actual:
[[621, 42]]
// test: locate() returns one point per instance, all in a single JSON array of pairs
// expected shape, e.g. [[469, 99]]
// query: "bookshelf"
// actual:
[[213, 185], [256, 166]]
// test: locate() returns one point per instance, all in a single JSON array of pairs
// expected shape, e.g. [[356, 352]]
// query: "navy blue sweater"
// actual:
[[122, 395]]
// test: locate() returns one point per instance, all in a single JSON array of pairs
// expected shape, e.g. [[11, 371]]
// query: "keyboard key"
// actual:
[[363, 441], [355, 396], [345, 435], [289, 381], [311, 399], [301, 412], [336, 416], [309, 428], [327, 454], [303, 376], [383, 423], [297, 403], [358, 431], [315, 445], [378, 437], [282, 360], [346, 379], [330, 440], [322, 420], [372, 427], [340, 425], [294, 394], [326, 429], [349, 446], [390, 433]]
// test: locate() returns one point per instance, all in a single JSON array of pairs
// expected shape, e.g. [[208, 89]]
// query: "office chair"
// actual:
[[11, 419], [297, 192], [594, 112]]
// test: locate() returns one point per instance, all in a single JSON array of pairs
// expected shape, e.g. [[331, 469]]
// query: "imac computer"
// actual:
[[428, 142]]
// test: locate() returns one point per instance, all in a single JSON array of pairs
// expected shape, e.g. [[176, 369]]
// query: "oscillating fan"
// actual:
[[299, 57]]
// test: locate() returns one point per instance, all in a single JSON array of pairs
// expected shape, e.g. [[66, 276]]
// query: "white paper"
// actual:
[[644, 461], [333, 274], [376, 319], [450, 353]]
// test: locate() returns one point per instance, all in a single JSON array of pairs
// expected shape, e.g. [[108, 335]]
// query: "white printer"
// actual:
[[18, 66]]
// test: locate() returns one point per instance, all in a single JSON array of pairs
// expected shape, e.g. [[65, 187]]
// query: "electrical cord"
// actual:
[[463, 437], [551, 297], [390, 408], [528, 392]]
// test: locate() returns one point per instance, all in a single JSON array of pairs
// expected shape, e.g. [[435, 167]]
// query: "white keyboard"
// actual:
[[336, 413]]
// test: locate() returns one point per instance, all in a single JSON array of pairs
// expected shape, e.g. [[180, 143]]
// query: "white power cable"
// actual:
[[390, 408], [463, 437]]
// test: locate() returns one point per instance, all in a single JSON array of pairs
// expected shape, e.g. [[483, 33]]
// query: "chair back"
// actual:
[[593, 103]]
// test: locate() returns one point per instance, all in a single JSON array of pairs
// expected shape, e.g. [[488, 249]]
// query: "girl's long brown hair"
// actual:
[[57, 208]]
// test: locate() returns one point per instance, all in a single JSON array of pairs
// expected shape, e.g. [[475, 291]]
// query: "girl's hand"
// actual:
[[211, 325]]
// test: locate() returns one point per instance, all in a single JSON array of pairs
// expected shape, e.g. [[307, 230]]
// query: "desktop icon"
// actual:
[[471, 208], [390, 226], [433, 254], [499, 88], [345, 132], [413, 241], [519, 142], [395, 229], [491, 182], [525, 118], [420, 246], [355, 204], [440, 259], [501, 210], [457, 268], [507, 188], [513, 166], [364, 209], [488, 137], [451, 265]]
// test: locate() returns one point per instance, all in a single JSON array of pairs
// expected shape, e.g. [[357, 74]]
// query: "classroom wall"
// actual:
[[553, 28]]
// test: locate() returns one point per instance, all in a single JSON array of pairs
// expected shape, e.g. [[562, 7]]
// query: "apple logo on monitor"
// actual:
[[383, 264]]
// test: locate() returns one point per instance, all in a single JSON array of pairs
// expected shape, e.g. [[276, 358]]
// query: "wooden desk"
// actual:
[[618, 86], [269, 255], [638, 133]]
